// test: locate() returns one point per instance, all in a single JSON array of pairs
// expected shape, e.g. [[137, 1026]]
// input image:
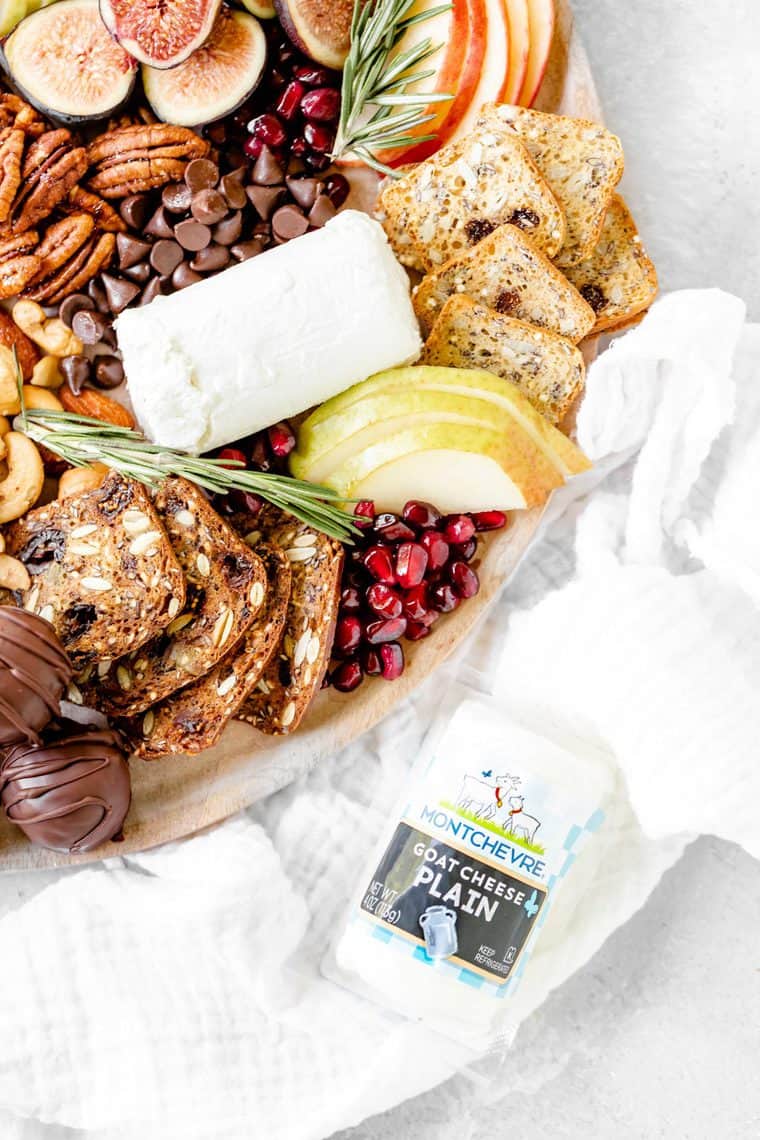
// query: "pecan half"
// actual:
[[19, 263], [11, 155], [71, 253], [134, 159], [102, 212], [51, 169]]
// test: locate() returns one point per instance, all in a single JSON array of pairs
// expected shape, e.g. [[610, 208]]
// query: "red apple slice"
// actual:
[[541, 16], [493, 71], [465, 88], [519, 48]]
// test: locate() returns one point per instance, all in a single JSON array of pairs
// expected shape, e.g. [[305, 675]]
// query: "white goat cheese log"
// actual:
[[268, 338]]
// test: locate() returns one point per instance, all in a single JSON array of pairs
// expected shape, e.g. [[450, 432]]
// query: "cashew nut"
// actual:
[[5, 425], [77, 480], [21, 487], [46, 373], [13, 574], [9, 401], [51, 334], [40, 399]]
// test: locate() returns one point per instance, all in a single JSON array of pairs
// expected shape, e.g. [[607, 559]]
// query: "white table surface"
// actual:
[[659, 1035]]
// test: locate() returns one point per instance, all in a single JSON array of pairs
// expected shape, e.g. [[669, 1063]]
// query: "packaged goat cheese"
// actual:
[[447, 910]]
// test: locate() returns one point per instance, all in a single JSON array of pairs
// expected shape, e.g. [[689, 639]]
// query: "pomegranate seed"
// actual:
[[436, 547], [421, 514], [253, 147], [232, 457], [364, 509], [458, 528], [269, 129], [281, 440], [416, 630], [319, 137], [377, 559], [322, 105], [347, 677], [337, 189], [444, 599], [384, 601], [392, 657], [392, 529], [350, 600], [489, 520], [298, 147], [348, 635], [313, 76], [464, 579], [411, 564], [467, 550], [247, 501], [416, 602], [371, 662], [259, 453], [290, 100], [317, 162], [378, 632]]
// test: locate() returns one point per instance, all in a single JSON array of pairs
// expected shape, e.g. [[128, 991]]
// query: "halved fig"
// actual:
[[264, 9], [216, 79], [161, 34], [63, 61], [321, 31]]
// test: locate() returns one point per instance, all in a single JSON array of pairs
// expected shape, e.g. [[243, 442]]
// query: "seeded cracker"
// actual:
[[547, 368], [580, 160], [104, 589], [618, 280], [196, 716], [507, 273], [225, 590], [295, 674], [447, 204]]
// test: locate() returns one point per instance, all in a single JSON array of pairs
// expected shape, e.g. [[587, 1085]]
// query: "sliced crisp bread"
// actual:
[[507, 273], [619, 281], [581, 162], [294, 675], [226, 585], [103, 570], [547, 368], [195, 717], [449, 203]]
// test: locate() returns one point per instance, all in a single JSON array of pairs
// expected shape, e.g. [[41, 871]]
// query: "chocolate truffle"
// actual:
[[71, 793], [34, 672]]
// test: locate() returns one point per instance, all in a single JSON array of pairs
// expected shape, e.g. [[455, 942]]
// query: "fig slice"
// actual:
[[264, 9], [321, 31], [216, 79], [161, 34], [63, 61]]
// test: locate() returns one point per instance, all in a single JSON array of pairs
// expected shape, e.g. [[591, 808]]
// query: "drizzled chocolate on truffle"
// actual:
[[34, 672], [70, 794]]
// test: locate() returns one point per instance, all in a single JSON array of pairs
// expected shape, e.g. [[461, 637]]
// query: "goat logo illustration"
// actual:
[[497, 799]]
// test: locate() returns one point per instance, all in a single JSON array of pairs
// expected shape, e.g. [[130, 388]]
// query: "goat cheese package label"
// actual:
[[460, 885]]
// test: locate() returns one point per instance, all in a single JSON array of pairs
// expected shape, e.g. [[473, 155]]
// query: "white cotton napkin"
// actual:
[[178, 994]]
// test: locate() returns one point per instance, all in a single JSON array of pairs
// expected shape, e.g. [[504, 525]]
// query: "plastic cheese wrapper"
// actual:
[[447, 910], [270, 337]]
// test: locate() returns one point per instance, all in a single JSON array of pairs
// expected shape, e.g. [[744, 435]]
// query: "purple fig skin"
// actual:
[[111, 22], [324, 53]]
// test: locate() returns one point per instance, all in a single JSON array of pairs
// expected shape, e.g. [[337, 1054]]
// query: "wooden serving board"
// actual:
[[183, 794]]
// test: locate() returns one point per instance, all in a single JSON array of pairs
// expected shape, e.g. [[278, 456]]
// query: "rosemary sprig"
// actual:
[[376, 82], [81, 440]]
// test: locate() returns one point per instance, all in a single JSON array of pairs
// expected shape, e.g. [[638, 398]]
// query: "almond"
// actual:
[[12, 337], [95, 404]]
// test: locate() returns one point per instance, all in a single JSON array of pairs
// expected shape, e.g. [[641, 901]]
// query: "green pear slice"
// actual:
[[323, 447], [325, 421], [458, 467]]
